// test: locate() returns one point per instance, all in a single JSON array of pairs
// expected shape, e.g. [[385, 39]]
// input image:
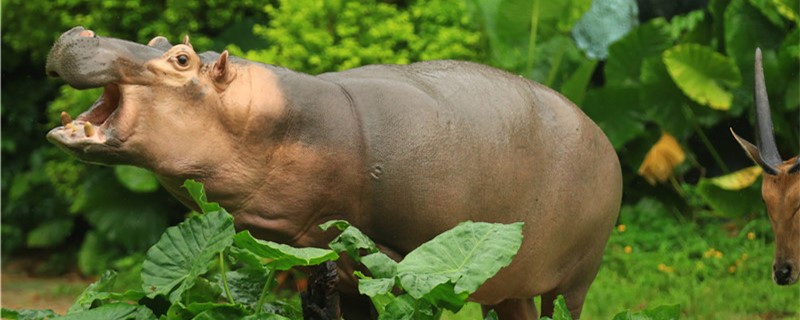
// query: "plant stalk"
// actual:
[[263, 297], [532, 39], [225, 278], [689, 115]]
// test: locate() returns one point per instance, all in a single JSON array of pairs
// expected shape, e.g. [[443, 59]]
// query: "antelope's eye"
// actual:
[[183, 60]]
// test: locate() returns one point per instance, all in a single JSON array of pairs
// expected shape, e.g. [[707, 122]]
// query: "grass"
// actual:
[[714, 268]]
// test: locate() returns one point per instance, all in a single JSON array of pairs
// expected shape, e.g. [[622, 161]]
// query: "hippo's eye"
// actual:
[[183, 60]]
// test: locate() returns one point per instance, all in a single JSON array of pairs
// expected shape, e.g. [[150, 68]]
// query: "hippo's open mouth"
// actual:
[[85, 60], [94, 127]]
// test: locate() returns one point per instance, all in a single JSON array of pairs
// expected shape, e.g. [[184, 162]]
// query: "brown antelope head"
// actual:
[[780, 186]]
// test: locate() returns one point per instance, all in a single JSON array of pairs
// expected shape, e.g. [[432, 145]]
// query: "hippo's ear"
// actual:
[[160, 43], [221, 72], [186, 41]]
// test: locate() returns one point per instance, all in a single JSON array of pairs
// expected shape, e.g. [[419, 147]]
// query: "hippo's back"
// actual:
[[449, 141]]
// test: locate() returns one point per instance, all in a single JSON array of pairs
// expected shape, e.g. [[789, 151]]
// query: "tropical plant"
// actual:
[[686, 79]]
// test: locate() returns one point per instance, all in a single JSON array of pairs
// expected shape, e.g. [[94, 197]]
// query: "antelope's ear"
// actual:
[[752, 152], [795, 168]]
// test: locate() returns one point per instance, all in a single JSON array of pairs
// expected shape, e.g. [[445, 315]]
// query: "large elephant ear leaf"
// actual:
[[460, 259], [173, 264], [703, 74]]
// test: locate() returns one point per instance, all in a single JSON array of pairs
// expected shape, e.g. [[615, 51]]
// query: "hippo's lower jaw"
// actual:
[[93, 136]]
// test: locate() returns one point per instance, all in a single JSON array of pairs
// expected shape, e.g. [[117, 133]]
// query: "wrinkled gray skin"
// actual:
[[402, 152]]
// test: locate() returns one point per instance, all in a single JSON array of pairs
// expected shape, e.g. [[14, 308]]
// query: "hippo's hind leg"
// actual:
[[574, 301], [514, 309]]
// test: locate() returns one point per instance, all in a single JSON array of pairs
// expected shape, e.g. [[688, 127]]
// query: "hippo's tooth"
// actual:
[[65, 118], [88, 129], [71, 126]]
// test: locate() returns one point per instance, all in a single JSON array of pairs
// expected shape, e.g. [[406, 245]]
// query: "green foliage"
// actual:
[[27, 314], [439, 274], [181, 267], [315, 37], [690, 77], [184, 253], [697, 70], [45, 190]]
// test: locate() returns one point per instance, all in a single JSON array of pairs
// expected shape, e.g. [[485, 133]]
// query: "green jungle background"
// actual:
[[638, 68]]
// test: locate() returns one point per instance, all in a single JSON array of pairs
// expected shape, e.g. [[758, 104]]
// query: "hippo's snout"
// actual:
[[85, 60]]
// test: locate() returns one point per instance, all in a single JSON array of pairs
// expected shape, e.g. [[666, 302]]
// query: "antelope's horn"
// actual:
[[765, 138]]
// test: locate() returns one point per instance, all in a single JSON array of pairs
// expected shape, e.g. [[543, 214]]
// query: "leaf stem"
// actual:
[[713, 151], [532, 38], [225, 277], [263, 297]]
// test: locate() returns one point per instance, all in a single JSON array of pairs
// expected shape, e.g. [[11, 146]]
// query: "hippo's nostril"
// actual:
[[53, 74]]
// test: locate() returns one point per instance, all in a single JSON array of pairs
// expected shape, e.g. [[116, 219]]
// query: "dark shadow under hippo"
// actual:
[[403, 152]]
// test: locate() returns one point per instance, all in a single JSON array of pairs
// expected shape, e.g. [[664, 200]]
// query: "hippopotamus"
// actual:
[[402, 152]]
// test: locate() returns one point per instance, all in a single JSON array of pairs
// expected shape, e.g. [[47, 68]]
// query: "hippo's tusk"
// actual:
[[65, 118], [88, 129]]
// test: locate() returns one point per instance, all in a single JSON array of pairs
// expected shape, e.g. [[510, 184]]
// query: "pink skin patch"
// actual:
[[86, 33]]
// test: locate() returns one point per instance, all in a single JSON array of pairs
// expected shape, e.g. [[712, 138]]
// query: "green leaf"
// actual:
[[214, 311], [702, 74], [662, 99], [134, 221], [351, 240], [466, 255], [27, 314], [380, 265], [658, 313], [745, 29], [406, 307], [136, 179], [574, 88], [96, 253], [605, 22], [246, 285], [614, 110], [492, 315], [560, 309], [375, 287], [184, 253], [281, 256], [197, 193], [89, 295], [626, 56], [730, 203], [202, 291], [50, 233], [114, 311]]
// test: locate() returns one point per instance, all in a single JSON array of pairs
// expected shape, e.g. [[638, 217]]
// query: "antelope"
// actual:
[[780, 187]]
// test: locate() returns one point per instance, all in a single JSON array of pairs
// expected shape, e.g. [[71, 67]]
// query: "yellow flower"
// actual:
[[621, 228], [751, 236], [712, 253], [731, 269], [628, 249], [665, 268], [744, 257], [662, 158]]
